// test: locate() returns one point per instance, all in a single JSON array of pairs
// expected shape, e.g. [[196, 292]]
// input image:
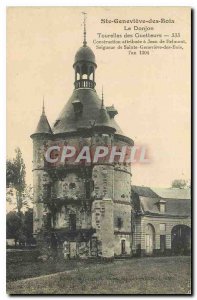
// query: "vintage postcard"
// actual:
[[98, 150]]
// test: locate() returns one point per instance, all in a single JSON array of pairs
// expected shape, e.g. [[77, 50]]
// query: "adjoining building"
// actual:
[[161, 221]]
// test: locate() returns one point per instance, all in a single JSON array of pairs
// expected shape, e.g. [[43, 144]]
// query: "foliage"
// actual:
[[13, 225], [179, 183], [18, 192], [19, 226]]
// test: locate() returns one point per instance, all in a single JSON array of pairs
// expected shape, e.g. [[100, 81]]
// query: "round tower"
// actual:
[[88, 203], [41, 179]]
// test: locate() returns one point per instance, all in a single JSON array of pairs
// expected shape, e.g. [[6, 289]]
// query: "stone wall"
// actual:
[[170, 222], [118, 238], [71, 186], [122, 184], [102, 176], [83, 217], [102, 221]]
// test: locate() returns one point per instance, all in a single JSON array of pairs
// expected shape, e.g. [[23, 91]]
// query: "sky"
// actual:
[[151, 93]]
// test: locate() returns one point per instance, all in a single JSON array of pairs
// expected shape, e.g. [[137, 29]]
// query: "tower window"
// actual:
[[119, 223], [77, 106], [89, 186], [72, 222], [84, 76]]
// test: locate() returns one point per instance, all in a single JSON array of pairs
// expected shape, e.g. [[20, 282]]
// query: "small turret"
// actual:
[[103, 121], [43, 126], [84, 65]]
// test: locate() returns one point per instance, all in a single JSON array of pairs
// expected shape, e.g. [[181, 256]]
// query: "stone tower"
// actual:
[[85, 207]]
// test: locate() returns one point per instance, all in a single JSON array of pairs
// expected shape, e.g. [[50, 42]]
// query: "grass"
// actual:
[[16, 271], [153, 275]]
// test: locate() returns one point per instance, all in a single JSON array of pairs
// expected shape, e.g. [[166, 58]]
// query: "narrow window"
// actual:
[[72, 222], [123, 248], [162, 208], [119, 223]]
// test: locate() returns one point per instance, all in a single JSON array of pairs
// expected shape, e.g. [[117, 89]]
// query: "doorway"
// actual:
[[181, 239], [123, 247], [73, 249], [162, 243]]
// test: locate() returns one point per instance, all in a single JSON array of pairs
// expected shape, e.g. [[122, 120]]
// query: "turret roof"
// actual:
[[92, 111], [43, 125]]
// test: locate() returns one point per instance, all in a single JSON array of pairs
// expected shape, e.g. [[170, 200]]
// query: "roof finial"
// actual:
[[43, 108], [84, 29], [102, 103]]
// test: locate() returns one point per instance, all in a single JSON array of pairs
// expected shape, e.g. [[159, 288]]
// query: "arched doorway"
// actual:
[[149, 239], [181, 239]]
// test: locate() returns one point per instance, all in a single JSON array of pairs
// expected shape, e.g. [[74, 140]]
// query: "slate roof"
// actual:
[[43, 125], [148, 201], [173, 193], [85, 53], [67, 121], [144, 191]]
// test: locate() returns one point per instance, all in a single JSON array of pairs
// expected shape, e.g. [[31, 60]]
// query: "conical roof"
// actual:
[[104, 120], [43, 125], [92, 111]]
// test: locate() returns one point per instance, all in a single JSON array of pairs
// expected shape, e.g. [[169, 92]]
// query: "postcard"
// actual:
[[98, 150]]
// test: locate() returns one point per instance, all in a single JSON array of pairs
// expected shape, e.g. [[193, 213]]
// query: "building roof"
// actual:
[[147, 201], [111, 111], [173, 193], [85, 53], [68, 122], [104, 120], [144, 191], [43, 125], [175, 207]]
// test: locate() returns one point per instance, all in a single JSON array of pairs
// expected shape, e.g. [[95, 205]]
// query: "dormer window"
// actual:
[[112, 111], [162, 206], [77, 106]]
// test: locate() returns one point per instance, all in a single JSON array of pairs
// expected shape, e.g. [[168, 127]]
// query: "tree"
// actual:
[[28, 224], [19, 226], [17, 190], [13, 225], [179, 183]]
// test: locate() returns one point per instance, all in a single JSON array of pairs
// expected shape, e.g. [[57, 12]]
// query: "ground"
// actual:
[[151, 275]]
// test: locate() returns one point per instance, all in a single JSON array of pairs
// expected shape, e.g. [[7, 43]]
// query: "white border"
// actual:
[[3, 5]]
